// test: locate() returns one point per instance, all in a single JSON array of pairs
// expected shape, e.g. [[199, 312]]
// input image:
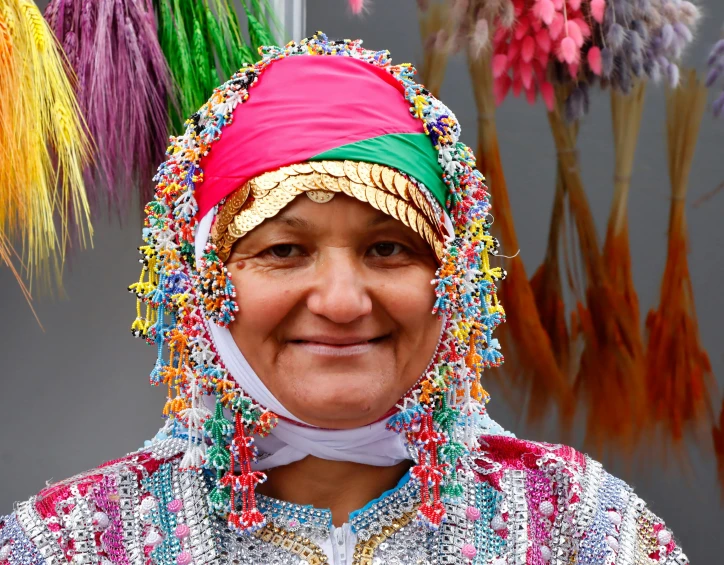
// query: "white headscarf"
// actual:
[[288, 442]]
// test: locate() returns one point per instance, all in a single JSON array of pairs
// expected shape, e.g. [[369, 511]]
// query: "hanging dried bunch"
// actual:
[[606, 379], [195, 34], [718, 436], [612, 43], [532, 370], [626, 111], [123, 89], [679, 374], [45, 145], [551, 299]]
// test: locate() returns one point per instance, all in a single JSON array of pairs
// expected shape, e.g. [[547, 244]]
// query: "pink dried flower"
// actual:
[[543, 39], [594, 60], [500, 65], [598, 9], [501, 87], [517, 86], [544, 10], [357, 6], [548, 94], [521, 29], [526, 74], [527, 50], [555, 28], [574, 32], [568, 51]]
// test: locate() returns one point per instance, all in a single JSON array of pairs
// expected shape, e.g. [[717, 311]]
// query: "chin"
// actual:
[[338, 405]]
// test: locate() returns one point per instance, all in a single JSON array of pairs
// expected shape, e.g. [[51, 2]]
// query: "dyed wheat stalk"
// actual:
[[679, 374], [547, 285], [535, 372], [605, 382], [124, 87], [45, 142], [626, 111], [718, 437]]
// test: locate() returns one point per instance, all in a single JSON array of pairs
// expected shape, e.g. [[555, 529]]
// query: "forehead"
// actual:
[[341, 214]]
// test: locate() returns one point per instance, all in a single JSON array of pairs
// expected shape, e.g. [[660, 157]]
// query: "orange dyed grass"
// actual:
[[718, 437], [534, 380], [606, 381], [679, 376]]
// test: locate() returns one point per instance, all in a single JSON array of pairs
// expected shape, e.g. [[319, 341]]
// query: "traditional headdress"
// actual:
[[317, 117]]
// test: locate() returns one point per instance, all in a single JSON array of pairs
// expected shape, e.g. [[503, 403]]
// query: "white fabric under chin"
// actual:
[[289, 442]]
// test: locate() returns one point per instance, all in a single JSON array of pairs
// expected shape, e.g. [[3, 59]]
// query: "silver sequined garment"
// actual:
[[522, 503]]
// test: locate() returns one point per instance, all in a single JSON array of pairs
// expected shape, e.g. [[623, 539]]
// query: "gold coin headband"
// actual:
[[384, 188]]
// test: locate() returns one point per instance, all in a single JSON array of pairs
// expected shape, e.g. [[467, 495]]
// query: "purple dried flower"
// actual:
[[716, 52], [672, 74], [616, 36], [713, 74], [638, 27], [718, 105], [637, 66], [586, 92], [624, 74], [622, 8], [651, 66], [636, 43], [642, 6], [575, 106], [690, 13], [667, 35], [683, 32], [606, 62]]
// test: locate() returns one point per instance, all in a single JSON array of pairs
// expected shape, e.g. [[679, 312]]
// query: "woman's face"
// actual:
[[335, 305]]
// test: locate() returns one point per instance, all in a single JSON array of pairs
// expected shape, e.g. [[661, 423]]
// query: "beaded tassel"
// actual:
[[429, 472], [243, 452]]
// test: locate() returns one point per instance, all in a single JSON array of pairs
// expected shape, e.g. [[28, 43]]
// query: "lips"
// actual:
[[339, 341], [338, 346]]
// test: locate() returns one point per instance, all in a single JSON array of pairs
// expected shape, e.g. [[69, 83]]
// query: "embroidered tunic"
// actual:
[[524, 503]]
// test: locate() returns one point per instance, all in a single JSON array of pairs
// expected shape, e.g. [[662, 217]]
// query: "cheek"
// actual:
[[263, 304], [409, 301]]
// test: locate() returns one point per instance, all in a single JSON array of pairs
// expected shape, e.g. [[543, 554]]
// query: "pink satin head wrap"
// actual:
[[301, 107]]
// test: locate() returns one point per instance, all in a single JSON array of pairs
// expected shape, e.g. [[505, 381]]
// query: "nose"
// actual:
[[339, 291]]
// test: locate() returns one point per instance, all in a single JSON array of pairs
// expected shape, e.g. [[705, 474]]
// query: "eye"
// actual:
[[283, 251], [386, 249]]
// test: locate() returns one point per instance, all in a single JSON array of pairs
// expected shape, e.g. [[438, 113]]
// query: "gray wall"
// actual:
[[77, 394]]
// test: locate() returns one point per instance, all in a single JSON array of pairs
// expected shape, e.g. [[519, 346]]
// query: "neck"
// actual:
[[341, 486]]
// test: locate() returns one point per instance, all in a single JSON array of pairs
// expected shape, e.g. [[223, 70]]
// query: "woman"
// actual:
[[317, 411]]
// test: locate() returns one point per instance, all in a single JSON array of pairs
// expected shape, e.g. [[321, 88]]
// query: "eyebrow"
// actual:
[[302, 224], [291, 221]]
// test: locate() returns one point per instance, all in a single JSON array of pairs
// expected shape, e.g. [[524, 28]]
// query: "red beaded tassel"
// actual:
[[429, 472], [242, 484]]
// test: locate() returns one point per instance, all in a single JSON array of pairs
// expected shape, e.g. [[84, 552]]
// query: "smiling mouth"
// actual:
[[336, 347]]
